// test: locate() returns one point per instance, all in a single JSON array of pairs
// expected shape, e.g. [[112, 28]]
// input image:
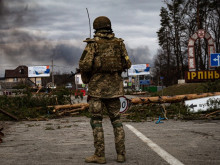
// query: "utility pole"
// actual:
[[52, 74]]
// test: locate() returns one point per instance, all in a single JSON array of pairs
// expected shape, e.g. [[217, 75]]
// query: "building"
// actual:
[[20, 75]]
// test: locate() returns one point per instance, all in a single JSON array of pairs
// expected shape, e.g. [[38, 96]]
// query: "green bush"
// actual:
[[142, 112], [211, 86], [63, 95], [20, 86], [33, 106], [26, 106]]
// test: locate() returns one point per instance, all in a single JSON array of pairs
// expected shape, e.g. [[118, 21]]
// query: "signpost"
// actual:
[[215, 59], [144, 82], [124, 104], [196, 105]]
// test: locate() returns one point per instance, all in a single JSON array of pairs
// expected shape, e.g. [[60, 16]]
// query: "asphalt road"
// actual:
[[68, 141]]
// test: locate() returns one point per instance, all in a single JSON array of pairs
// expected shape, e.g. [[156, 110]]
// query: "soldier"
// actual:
[[101, 64]]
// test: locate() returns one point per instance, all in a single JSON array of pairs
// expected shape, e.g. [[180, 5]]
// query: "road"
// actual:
[[69, 140]]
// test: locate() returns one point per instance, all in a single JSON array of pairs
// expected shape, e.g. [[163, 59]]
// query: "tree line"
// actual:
[[180, 19]]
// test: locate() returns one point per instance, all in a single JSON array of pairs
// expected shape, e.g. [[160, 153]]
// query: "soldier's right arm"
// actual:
[[86, 60]]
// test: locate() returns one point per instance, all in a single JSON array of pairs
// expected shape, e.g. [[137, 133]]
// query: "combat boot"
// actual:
[[121, 158], [95, 159]]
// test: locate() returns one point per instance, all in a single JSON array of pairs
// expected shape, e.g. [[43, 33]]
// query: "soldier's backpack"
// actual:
[[108, 56]]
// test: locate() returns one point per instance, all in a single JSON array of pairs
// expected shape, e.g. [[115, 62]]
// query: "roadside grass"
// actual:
[[153, 111], [174, 111], [189, 88], [31, 106]]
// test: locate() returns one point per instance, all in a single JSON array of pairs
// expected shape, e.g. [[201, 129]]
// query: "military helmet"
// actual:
[[102, 22]]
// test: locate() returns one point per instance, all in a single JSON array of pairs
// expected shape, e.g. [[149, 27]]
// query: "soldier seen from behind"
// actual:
[[101, 64]]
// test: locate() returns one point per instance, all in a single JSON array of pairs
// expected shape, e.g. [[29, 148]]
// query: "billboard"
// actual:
[[139, 69], [39, 71]]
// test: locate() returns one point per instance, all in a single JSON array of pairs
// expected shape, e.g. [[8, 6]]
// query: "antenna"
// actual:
[[89, 22]]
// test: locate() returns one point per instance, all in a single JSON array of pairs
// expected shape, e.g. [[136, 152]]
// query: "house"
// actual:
[[20, 75]]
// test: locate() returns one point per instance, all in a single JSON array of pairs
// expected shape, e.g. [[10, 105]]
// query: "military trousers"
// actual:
[[96, 108]]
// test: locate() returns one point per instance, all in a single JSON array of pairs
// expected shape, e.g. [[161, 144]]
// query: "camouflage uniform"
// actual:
[[104, 88]]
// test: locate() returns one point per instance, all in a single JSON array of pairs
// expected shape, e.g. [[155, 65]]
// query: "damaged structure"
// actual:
[[17, 76]]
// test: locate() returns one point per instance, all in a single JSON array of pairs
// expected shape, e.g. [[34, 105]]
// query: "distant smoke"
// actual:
[[19, 46], [140, 55], [68, 53], [14, 13], [3, 13]]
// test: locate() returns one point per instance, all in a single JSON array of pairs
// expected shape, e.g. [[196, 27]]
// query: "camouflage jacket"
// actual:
[[102, 85]]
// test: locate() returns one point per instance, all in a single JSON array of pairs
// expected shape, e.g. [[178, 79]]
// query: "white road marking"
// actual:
[[160, 151]]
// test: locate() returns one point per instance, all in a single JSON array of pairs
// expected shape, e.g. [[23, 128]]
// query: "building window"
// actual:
[[15, 80], [21, 71]]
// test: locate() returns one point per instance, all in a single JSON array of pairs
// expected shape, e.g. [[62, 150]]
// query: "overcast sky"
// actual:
[[32, 32]]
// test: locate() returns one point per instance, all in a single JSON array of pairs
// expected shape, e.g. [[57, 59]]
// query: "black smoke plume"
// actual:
[[19, 46]]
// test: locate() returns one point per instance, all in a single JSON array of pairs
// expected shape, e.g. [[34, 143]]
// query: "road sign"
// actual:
[[124, 104], [196, 105], [215, 59], [144, 82]]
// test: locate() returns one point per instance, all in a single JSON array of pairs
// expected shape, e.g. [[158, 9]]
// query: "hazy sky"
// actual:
[[32, 32]]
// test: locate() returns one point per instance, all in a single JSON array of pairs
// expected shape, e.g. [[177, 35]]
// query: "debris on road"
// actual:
[[139, 93], [159, 120], [159, 102], [37, 119], [69, 109], [9, 114], [170, 99], [212, 114]]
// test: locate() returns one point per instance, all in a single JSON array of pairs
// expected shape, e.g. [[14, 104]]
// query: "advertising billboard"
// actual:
[[139, 69], [39, 71]]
